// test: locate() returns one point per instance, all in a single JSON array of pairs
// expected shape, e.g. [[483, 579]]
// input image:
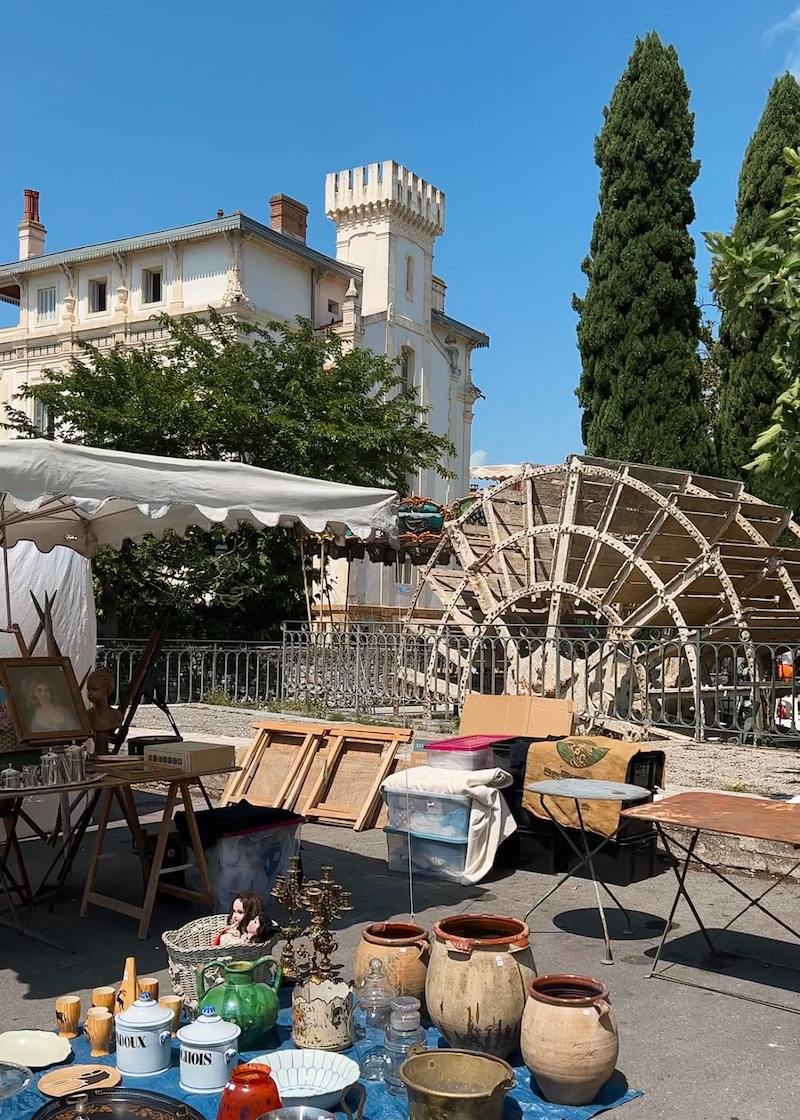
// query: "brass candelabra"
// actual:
[[288, 892], [325, 902]]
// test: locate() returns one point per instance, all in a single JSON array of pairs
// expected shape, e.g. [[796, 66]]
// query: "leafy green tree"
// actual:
[[289, 399], [750, 381], [763, 278], [639, 322]]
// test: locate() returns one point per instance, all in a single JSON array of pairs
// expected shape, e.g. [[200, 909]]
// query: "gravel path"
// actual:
[[715, 765]]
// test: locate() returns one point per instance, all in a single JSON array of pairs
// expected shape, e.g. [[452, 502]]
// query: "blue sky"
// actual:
[[132, 119]]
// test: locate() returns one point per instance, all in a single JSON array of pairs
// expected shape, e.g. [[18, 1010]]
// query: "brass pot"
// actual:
[[455, 1085]]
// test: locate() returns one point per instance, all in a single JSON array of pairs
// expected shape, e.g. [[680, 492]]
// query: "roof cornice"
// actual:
[[476, 337], [213, 226]]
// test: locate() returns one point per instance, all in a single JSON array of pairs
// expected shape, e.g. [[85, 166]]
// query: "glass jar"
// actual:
[[404, 1031], [250, 1093], [370, 1020]]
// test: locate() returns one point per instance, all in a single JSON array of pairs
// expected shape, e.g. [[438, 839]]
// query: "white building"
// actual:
[[379, 292]]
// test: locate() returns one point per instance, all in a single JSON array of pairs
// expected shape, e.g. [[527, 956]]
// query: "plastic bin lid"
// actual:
[[426, 836], [466, 743], [427, 795]]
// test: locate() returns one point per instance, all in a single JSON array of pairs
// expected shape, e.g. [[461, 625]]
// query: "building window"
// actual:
[[152, 285], [403, 573], [333, 307], [98, 296], [407, 368], [46, 304], [409, 277], [41, 417]]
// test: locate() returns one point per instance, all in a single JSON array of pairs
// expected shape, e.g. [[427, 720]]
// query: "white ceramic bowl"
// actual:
[[312, 1077], [34, 1049]]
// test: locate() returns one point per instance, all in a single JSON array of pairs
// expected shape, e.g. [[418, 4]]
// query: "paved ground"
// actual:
[[697, 1054], [725, 766]]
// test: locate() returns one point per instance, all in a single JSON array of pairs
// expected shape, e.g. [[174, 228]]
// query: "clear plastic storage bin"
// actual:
[[433, 814], [432, 857]]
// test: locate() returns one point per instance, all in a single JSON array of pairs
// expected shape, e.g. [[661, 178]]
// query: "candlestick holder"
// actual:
[[325, 902], [288, 892]]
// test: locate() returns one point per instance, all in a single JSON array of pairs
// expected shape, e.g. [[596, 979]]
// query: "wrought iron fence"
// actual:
[[697, 687], [191, 672]]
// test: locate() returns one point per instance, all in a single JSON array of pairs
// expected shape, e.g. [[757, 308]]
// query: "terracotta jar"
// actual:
[[478, 977], [403, 949], [569, 1037], [250, 1093]]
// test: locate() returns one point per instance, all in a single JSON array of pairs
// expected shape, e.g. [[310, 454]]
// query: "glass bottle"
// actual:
[[405, 1029], [370, 1020]]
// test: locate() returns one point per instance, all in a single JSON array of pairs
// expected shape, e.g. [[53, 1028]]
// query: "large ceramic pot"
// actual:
[[478, 977], [569, 1037], [238, 999], [404, 951]]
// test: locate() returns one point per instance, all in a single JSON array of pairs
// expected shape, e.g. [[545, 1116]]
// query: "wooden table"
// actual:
[[178, 786], [115, 783], [757, 818]]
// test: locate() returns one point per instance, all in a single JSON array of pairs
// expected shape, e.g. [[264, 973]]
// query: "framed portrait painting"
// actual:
[[44, 700]]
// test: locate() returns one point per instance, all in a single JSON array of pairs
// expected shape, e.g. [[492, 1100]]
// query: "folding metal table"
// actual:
[[587, 789], [756, 818]]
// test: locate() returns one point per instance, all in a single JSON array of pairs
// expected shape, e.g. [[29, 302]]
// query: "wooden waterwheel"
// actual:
[[615, 550]]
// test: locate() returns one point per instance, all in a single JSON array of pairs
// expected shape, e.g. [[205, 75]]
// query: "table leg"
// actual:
[[102, 824], [127, 802], [681, 891], [158, 859], [608, 958], [68, 852], [194, 833]]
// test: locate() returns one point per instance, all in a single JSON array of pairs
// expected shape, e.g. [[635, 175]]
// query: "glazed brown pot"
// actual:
[[569, 1037], [476, 991], [403, 949]]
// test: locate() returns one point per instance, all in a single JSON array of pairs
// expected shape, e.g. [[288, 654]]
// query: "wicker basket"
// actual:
[[191, 946]]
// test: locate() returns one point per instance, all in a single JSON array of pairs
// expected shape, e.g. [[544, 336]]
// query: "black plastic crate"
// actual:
[[620, 862]]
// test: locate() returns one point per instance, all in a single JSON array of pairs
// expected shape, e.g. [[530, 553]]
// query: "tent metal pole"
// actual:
[[5, 560]]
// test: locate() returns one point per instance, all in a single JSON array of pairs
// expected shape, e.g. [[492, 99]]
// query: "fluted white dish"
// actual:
[[34, 1049], [312, 1077]]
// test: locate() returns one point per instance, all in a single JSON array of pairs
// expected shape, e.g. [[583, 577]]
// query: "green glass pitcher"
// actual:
[[239, 999]]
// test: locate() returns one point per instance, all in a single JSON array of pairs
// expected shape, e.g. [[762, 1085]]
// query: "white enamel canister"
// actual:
[[209, 1048], [144, 1038]]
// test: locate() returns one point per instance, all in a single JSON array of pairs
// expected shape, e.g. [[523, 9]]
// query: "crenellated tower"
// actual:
[[387, 219]]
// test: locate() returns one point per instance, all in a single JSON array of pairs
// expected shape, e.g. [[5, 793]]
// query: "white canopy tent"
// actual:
[[85, 497]]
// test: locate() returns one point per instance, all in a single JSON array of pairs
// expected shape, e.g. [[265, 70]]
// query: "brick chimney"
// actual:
[[31, 231], [288, 216]]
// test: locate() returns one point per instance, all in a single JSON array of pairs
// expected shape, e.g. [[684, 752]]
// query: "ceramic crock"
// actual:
[[477, 986], [322, 1015], [569, 1037], [144, 1037], [403, 950], [209, 1048]]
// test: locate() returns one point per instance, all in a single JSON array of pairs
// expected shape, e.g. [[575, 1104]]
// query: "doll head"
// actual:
[[245, 907]]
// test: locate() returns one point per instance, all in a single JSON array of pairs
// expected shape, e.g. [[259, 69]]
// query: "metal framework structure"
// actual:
[[620, 549]]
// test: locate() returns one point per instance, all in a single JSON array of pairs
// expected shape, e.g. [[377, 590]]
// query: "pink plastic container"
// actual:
[[472, 752]]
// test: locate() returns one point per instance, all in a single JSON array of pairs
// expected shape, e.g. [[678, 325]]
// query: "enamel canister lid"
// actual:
[[209, 1029], [145, 1012]]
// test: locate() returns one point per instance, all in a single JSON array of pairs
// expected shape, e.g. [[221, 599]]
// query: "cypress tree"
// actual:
[[639, 321], [750, 383]]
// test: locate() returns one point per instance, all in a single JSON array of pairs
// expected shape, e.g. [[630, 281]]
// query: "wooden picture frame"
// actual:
[[44, 700]]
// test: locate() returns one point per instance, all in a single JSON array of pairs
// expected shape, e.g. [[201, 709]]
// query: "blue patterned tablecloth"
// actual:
[[522, 1103]]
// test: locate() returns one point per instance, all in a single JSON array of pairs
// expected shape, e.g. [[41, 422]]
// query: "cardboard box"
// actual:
[[531, 717], [192, 758]]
